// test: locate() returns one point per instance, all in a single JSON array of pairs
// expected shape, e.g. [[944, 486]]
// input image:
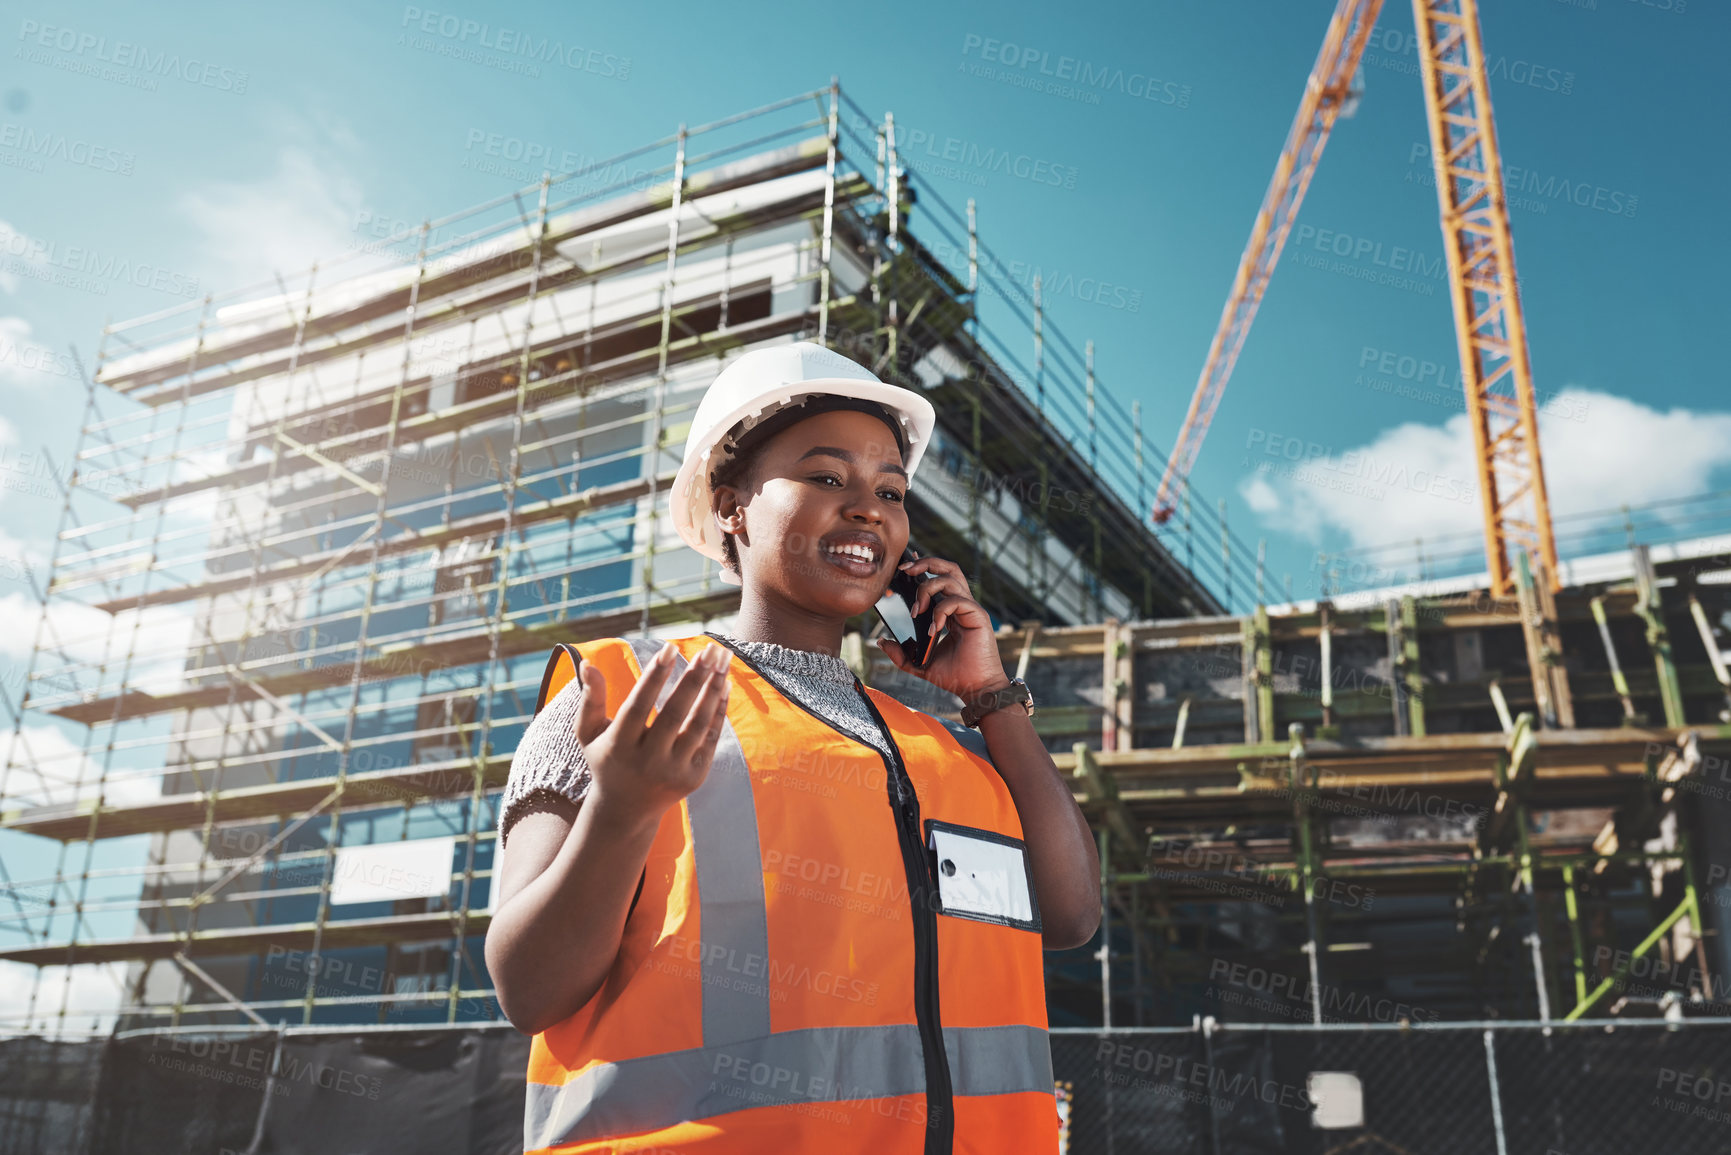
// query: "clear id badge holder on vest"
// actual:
[[982, 875]]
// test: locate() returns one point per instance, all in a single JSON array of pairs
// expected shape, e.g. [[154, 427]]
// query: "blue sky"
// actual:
[[304, 122]]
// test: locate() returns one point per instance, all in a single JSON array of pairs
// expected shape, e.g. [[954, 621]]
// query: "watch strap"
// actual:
[[1016, 693]]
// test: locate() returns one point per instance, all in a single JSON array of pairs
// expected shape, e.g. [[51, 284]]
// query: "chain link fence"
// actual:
[[1213, 1089], [1439, 1089]]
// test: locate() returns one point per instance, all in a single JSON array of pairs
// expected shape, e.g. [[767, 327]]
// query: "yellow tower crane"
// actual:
[[1489, 326]]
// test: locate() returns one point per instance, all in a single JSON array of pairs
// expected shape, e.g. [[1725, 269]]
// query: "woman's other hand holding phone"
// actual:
[[965, 662], [1061, 851]]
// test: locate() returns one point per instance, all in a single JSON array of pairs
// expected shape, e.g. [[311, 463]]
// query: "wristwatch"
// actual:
[[1015, 694]]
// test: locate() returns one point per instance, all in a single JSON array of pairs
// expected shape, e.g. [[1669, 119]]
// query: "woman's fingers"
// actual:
[[949, 585], [710, 664], [697, 737], [893, 648], [960, 611], [932, 565], [592, 710], [944, 577], [634, 712]]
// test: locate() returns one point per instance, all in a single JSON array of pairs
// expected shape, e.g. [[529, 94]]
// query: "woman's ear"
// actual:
[[729, 513]]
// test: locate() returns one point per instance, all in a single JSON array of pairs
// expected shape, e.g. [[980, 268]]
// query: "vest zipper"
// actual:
[[905, 806], [940, 1117]]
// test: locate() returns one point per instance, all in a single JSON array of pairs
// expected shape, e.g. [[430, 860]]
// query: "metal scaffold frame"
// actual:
[[1392, 751]]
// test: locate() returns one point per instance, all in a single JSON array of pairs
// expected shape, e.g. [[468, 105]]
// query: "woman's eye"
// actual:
[[831, 479]]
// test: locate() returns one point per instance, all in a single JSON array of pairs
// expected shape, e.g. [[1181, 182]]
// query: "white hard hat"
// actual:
[[754, 387]]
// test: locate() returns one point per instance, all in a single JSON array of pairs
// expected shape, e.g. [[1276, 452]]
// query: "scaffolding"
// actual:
[[1423, 798], [318, 535]]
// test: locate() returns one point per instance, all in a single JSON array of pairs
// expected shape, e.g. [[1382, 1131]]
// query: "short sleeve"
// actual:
[[549, 759]]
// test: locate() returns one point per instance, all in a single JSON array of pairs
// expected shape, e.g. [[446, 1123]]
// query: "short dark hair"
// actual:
[[745, 445]]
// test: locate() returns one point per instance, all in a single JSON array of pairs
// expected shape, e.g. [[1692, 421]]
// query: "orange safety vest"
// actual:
[[787, 979]]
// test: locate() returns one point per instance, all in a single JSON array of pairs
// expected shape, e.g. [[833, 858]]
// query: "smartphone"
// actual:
[[896, 610]]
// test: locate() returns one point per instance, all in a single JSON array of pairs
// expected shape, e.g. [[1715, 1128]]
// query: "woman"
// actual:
[[784, 912]]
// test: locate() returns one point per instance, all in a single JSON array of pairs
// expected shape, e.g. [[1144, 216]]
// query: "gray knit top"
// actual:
[[549, 761]]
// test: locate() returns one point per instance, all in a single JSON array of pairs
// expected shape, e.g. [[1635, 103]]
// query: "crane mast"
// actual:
[[1489, 324], [1489, 327]]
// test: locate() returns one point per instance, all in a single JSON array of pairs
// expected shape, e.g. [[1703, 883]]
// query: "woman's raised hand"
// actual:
[[641, 767]]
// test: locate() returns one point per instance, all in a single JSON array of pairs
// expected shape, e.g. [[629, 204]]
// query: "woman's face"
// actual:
[[819, 518]]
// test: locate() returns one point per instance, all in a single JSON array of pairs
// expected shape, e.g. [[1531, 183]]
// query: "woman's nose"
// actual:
[[865, 507]]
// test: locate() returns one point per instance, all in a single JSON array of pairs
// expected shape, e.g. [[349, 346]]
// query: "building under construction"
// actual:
[[320, 536]]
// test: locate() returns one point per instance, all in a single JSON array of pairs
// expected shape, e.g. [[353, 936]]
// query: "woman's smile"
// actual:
[[854, 552]]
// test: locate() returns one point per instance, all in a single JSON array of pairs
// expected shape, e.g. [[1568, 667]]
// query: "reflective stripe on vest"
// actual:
[[729, 878], [820, 1065]]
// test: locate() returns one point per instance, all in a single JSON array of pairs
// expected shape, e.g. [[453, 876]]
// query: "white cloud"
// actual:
[[159, 638], [303, 211], [96, 992], [27, 362], [18, 248], [44, 767], [18, 555], [1414, 480]]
